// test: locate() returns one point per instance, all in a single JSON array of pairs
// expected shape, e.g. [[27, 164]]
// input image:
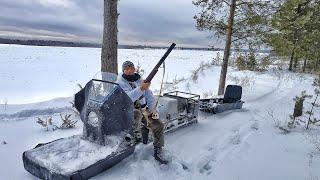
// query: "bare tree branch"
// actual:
[[226, 2]]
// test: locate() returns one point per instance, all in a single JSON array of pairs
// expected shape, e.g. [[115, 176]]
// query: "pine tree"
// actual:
[[67, 123], [246, 22], [109, 53], [241, 63], [295, 30]]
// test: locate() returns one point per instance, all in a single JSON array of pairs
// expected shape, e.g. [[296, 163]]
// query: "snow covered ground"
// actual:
[[242, 144], [46, 72]]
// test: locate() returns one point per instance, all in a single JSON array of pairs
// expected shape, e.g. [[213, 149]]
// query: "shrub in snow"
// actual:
[[67, 123], [299, 104], [203, 66], [4, 143], [298, 108], [47, 124], [139, 70], [244, 81], [176, 81], [216, 61], [312, 119], [264, 64], [171, 86], [194, 75], [251, 62], [241, 63]]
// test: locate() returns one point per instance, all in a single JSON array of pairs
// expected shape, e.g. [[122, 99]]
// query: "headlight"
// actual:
[[93, 119]]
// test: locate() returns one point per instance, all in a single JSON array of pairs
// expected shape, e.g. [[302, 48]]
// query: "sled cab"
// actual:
[[231, 100], [108, 110], [107, 115]]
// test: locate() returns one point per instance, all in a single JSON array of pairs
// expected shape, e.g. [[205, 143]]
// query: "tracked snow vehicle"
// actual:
[[107, 114]]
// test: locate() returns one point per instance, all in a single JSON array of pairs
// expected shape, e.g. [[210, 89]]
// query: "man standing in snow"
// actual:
[[145, 113]]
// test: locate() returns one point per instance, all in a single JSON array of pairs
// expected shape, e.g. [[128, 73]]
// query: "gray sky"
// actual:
[[145, 22]]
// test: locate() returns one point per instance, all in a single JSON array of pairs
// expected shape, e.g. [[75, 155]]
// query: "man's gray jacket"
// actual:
[[134, 92]]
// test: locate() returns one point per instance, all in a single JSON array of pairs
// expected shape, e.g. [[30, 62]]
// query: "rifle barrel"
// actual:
[[155, 69]]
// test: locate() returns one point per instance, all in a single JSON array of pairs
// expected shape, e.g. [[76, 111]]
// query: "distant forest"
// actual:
[[94, 45]]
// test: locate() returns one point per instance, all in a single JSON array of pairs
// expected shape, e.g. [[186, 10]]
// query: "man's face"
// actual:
[[129, 71]]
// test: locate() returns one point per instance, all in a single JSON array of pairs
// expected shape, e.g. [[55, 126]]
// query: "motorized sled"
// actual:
[[231, 100], [107, 115]]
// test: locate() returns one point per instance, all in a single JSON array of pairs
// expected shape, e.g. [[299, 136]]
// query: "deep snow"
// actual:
[[242, 144]]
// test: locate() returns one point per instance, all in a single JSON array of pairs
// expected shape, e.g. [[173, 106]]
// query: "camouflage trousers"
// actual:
[[155, 125]]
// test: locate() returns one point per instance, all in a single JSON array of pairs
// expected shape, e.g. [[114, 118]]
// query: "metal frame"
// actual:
[[185, 119], [176, 94]]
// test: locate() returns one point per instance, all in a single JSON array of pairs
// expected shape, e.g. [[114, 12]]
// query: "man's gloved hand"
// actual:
[[153, 115], [144, 85]]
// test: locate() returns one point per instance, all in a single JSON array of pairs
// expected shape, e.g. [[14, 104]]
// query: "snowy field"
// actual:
[[237, 145], [46, 72]]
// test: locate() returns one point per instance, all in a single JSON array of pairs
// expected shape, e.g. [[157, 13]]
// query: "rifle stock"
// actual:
[[155, 69]]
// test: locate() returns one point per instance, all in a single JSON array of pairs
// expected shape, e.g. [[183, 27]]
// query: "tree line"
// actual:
[[290, 28]]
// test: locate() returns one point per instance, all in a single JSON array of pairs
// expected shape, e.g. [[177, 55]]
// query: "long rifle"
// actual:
[[155, 69], [150, 77]]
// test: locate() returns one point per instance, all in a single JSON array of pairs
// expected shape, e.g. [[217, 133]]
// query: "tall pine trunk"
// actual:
[[227, 48], [293, 50], [295, 64], [109, 53], [304, 64], [316, 65], [292, 56]]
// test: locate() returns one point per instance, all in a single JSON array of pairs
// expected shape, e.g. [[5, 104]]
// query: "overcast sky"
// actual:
[[145, 22]]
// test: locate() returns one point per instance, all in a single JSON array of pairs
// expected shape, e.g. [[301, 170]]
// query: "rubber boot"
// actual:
[[137, 136], [145, 134], [158, 155]]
